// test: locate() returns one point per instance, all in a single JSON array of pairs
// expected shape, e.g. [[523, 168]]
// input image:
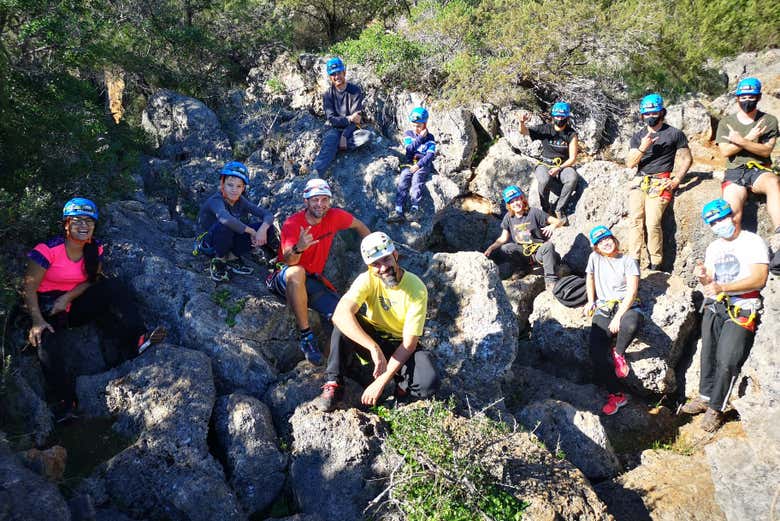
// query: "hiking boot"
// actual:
[[238, 266], [332, 393], [695, 406], [614, 402], [711, 420], [395, 217], [310, 350], [218, 270], [621, 366], [414, 215], [150, 338]]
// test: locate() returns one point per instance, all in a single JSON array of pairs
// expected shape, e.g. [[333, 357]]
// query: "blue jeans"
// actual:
[[411, 184]]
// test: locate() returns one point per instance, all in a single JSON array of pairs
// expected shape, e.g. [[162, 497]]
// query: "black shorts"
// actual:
[[745, 177]]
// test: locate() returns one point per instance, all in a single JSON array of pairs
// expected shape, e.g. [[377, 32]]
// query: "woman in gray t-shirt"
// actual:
[[612, 284]]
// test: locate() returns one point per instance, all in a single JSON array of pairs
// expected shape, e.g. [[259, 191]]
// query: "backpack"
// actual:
[[571, 291]]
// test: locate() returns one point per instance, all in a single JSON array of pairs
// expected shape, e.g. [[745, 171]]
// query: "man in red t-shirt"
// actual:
[[305, 244]]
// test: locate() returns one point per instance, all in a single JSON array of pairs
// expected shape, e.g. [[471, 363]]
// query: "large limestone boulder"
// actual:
[[162, 399], [25, 494], [509, 119], [471, 328], [23, 404], [575, 435], [500, 168], [174, 289], [184, 128], [336, 462], [559, 335], [246, 436]]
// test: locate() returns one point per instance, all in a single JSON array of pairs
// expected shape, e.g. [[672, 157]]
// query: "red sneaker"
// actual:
[[621, 366], [614, 402], [331, 394]]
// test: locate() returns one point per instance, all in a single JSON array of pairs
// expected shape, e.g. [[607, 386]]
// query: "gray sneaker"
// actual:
[[695, 406]]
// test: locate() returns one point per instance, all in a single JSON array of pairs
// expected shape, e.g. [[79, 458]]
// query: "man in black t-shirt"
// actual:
[[559, 153], [529, 230], [653, 151]]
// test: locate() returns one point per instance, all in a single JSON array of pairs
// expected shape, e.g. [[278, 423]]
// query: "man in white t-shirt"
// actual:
[[735, 270]]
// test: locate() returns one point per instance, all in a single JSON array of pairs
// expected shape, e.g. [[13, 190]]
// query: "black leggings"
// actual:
[[601, 345], [108, 303], [417, 376]]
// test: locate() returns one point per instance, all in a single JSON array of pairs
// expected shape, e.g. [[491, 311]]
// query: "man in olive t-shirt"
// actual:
[[746, 139]]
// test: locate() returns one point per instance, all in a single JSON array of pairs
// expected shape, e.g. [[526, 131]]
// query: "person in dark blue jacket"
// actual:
[[343, 106], [420, 148]]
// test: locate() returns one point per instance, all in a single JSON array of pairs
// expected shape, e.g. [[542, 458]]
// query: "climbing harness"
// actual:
[[743, 318], [200, 246], [556, 162], [609, 307], [760, 166], [653, 184], [529, 248]]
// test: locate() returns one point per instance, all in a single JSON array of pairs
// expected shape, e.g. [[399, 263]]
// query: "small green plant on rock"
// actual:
[[222, 298], [446, 473]]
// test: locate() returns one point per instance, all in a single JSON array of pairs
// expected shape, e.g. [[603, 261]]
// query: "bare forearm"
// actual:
[[634, 155]]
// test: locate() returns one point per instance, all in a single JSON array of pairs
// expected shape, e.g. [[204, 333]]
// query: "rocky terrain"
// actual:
[[219, 421]]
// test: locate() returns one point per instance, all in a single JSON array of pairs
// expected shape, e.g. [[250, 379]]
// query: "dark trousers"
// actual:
[[411, 185], [108, 303], [565, 182], [601, 345], [417, 376], [224, 240], [725, 346], [545, 255]]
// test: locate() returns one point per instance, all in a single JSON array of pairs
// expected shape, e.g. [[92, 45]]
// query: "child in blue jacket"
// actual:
[[420, 150]]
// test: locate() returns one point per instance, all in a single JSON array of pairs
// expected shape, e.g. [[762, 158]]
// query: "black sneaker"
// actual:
[[150, 338], [238, 266], [332, 393], [218, 270]]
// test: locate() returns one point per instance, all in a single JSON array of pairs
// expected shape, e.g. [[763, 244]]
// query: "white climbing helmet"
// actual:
[[376, 246]]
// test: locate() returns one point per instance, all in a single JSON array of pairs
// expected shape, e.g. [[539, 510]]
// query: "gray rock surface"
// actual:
[[745, 477], [24, 495], [559, 335], [521, 292], [175, 290], [336, 461], [184, 127], [246, 437], [163, 399], [579, 436], [500, 168], [471, 328], [23, 406]]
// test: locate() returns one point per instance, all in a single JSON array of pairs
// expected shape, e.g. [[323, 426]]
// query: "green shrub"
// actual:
[[446, 474], [392, 56]]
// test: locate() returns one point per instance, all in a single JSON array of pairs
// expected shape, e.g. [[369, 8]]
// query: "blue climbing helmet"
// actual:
[[335, 65], [418, 115], [561, 109], [511, 192], [80, 206], [598, 233], [236, 169], [748, 86], [715, 210], [651, 103]]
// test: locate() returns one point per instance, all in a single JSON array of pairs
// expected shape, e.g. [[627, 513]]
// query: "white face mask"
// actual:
[[724, 228]]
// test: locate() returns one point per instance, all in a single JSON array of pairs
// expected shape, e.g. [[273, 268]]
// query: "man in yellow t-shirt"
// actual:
[[386, 332]]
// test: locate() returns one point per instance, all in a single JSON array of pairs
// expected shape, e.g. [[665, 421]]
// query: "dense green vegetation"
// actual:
[[446, 472]]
